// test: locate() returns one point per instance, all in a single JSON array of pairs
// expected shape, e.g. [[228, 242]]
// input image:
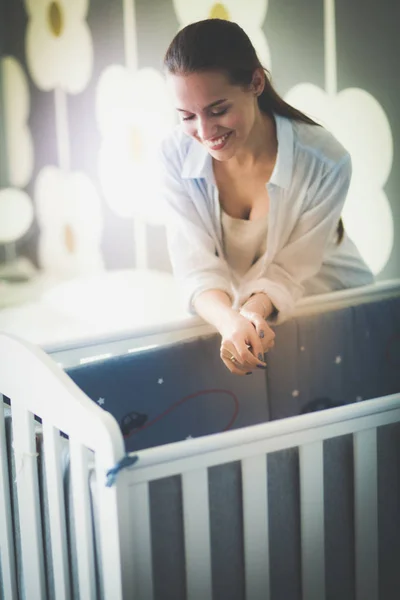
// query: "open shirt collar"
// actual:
[[198, 161]]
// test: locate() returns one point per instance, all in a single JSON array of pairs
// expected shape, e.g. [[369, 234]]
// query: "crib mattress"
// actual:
[[320, 360]]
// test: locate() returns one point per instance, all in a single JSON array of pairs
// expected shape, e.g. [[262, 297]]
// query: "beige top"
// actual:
[[244, 242]]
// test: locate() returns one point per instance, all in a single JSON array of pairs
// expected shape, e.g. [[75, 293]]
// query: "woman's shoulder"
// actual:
[[316, 142], [175, 146]]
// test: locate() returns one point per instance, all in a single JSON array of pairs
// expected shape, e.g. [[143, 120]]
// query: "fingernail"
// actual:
[[261, 367], [249, 373], [260, 357], [261, 334]]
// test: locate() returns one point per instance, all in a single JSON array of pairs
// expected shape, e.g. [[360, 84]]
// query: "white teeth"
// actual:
[[217, 142]]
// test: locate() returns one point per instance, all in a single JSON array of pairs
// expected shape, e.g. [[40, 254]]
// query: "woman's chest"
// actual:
[[243, 197]]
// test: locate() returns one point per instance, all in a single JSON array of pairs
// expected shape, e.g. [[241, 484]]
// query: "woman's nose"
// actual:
[[205, 129]]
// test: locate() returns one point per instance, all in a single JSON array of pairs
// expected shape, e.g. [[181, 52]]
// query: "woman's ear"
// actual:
[[258, 81]]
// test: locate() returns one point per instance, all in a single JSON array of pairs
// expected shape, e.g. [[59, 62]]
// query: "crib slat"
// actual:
[[114, 547], [366, 514], [7, 550], [312, 520], [32, 549], [51, 438], [83, 523], [140, 516], [197, 534], [255, 517]]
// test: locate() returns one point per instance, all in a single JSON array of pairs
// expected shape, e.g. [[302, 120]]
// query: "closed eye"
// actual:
[[213, 114], [219, 113]]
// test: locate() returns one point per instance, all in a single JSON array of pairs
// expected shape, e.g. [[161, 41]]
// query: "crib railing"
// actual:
[[74, 352], [252, 446], [122, 555], [37, 387]]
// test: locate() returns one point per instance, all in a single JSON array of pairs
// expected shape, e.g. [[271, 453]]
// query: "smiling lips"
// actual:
[[217, 143]]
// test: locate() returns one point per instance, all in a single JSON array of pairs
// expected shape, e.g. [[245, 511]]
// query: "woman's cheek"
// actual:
[[232, 122], [188, 128]]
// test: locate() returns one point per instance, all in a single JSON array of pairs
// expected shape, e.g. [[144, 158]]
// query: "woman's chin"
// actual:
[[225, 153]]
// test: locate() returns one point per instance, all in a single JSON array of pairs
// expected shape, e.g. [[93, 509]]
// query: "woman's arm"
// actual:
[[302, 255], [192, 249], [259, 303], [204, 276], [215, 307]]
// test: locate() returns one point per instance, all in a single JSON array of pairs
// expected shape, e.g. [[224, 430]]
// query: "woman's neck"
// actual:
[[261, 146]]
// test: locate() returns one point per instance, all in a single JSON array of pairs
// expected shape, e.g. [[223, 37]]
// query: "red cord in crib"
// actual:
[[179, 402]]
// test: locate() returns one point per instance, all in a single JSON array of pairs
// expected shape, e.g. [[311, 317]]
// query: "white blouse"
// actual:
[[307, 191]]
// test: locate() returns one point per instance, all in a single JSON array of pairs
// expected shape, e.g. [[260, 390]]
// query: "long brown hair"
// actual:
[[219, 45]]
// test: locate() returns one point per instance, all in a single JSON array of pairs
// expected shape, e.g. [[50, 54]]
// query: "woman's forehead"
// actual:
[[198, 90]]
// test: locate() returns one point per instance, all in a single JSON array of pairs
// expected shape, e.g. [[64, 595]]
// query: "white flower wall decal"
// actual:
[[70, 219], [16, 214], [58, 44], [60, 59], [16, 210], [359, 122], [250, 17], [19, 144], [134, 113]]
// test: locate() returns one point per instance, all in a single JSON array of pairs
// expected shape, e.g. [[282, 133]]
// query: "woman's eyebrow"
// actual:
[[206, 107]]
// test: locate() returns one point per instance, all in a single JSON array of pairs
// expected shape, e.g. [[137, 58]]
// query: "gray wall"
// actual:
[[368, 48]]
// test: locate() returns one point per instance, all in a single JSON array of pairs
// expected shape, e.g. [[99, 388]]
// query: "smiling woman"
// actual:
[[233, 112], [255, 191]]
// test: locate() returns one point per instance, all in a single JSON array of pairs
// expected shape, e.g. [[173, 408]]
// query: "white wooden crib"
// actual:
[[119, 564]]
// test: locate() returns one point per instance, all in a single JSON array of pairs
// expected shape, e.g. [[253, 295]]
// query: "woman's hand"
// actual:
[[258, 308], [245, 337], [264, 331], [242, 350]]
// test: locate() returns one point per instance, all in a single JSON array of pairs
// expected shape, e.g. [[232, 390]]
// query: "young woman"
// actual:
[[255, 190]]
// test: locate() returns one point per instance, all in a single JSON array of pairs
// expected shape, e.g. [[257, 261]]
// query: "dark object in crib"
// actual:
[[319, 404], [132, 421]]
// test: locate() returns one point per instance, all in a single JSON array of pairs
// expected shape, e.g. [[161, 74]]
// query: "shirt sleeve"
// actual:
[[192, 250], [302, 256]]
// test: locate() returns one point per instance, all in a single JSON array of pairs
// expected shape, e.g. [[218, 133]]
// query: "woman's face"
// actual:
[[219, 115]]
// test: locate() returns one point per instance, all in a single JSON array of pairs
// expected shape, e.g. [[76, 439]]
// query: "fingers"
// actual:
[[241, 358], [255, 353], [263, 330], [232, 363], [268, 342], [270, 345], [243, 347]]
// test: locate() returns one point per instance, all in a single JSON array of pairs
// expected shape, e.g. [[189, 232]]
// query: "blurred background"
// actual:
[[83, 106]]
